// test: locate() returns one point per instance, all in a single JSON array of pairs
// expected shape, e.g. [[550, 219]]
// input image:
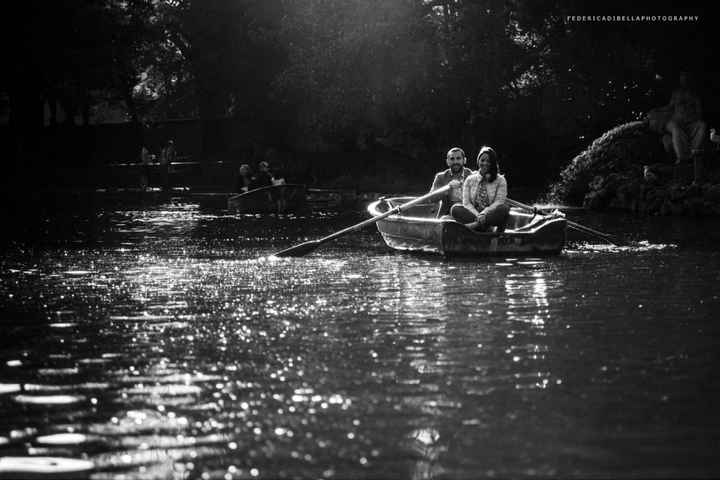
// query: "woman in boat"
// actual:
[[484, 194]]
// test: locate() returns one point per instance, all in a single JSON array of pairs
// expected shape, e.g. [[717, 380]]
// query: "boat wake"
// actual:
[[632, 247]]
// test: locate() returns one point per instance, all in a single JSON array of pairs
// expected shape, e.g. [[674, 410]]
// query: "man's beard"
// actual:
[[455, 168]]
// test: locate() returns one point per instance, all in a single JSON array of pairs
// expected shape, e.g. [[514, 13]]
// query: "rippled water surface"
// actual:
[[164, 342]]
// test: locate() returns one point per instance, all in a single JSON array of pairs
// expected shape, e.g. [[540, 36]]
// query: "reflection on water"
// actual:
[[166, 343]]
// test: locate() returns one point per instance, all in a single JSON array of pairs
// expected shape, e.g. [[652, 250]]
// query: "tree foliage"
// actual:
[[412, 75]]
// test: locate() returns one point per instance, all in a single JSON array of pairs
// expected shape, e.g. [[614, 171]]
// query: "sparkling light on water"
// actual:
[[174, 346]]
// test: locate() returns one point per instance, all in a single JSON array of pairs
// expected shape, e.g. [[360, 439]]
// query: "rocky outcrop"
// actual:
[[627, 168]]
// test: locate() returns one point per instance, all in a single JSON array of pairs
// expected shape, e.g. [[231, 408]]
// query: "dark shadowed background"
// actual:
[[346, 91]]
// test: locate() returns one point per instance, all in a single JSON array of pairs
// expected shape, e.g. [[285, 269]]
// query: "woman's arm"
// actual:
[[501, 192], [466, 197]]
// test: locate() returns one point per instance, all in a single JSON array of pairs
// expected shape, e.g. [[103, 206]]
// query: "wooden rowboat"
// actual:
[[271, 199], [417, 229]]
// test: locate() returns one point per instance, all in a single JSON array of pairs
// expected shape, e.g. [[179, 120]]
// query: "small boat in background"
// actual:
[[417, 229], [271, 199]]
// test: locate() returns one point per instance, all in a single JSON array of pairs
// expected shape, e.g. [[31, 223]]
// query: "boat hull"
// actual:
[[272, 199], [418, 230]]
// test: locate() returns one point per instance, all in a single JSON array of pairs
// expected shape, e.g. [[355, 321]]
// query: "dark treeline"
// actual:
[[411, 77]]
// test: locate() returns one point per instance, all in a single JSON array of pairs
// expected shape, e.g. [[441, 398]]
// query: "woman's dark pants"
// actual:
[[495, 216]]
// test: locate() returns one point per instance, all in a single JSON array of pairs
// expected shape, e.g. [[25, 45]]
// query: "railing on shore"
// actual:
[[210, 183], [200, 176], [183, 161]]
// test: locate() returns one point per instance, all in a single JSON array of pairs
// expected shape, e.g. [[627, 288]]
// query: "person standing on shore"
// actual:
[[686, 127], [146, 159], [167, 156]]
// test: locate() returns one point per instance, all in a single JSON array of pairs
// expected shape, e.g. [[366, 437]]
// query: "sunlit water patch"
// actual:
[[172, 344], [48, 399], [24, 467]]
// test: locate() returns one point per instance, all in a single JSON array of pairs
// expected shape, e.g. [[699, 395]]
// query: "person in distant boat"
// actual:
[[454, 176], [484, 195], [686, 128], [243, 182], [263, 178]]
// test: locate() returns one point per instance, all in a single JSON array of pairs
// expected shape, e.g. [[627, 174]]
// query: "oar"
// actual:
[[574, 225], [307, 247]]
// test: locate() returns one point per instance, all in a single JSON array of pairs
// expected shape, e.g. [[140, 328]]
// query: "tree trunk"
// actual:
[[139, 135]]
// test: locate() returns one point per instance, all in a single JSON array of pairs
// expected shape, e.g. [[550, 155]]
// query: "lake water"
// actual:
[[163, 342]]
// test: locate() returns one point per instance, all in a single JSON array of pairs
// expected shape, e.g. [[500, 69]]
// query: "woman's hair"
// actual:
[[494, 165]]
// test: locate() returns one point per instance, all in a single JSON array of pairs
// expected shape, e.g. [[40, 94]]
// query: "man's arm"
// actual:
[[437, 182]]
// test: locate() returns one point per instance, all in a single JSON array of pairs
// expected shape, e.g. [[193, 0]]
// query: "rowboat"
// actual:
[[271, 199], [417, 229]]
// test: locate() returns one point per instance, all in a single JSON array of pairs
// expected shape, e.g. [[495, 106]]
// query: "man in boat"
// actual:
[[454, 176], [263, 178], [484, 195], [146, 159]]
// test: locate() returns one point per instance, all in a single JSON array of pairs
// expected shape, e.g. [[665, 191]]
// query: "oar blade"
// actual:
[[611, 239], [298, 250], [574, 225]]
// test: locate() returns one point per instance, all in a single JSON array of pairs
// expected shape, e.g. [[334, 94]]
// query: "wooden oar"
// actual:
[[574, 225], [307, 247]]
